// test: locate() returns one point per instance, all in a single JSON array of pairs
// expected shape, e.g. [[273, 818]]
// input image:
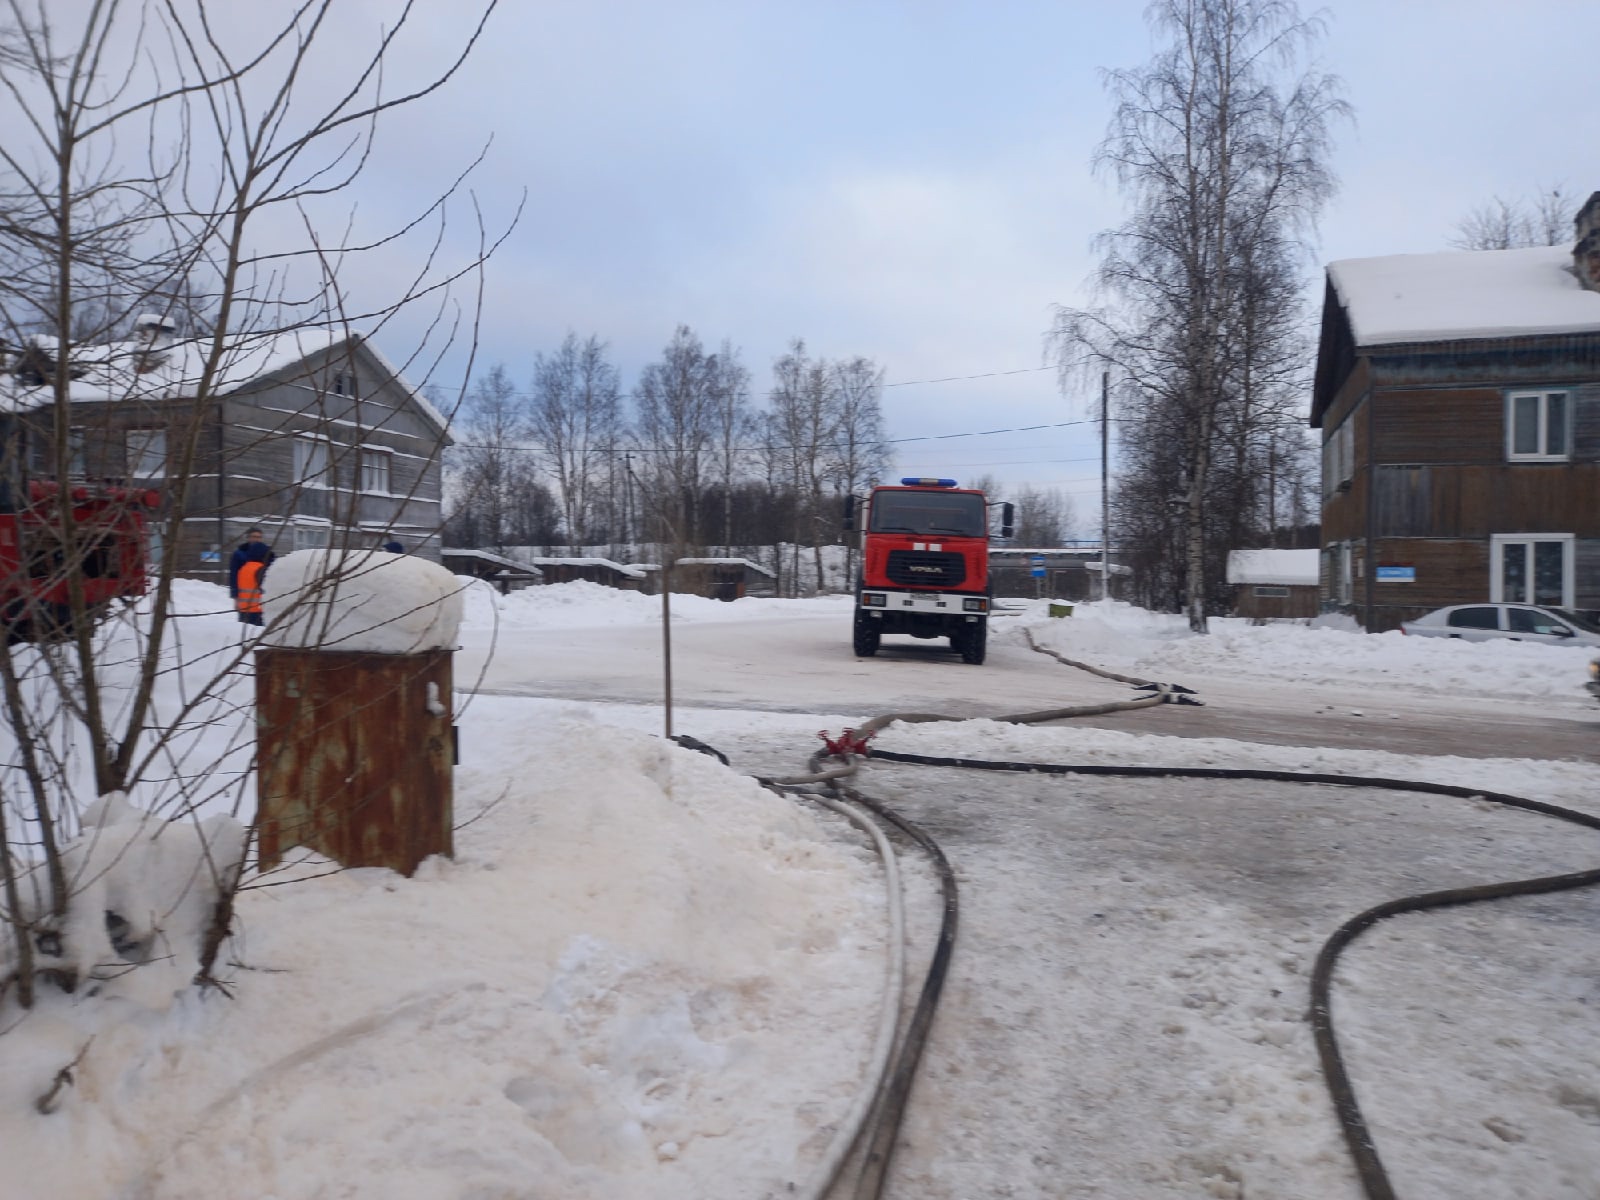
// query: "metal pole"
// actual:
[[666, 637], [1105, 485]]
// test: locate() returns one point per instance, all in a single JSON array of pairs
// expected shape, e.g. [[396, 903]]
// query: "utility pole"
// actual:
[[1105, 485]]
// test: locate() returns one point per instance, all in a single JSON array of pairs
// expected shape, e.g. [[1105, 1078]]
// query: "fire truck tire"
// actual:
[[866, 636], [973, 643]]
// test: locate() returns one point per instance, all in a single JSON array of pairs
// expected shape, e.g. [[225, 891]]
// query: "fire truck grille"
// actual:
[[920, 568]]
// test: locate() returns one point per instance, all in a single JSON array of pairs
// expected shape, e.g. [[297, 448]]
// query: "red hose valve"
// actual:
[[846, 745]]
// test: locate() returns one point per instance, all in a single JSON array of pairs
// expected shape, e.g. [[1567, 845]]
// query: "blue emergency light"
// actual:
[[915, 481]]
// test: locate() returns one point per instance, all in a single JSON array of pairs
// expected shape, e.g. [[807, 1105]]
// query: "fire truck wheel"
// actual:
[[974, 642], [866, 636]]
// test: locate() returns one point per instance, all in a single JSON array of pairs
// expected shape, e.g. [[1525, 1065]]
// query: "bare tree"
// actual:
[[1045, 517], [1222, 147], [732, 426], [491, 459], [148, 159], [860, 455], [805, 421], [1499, 224], [674, 409], [575, 416]]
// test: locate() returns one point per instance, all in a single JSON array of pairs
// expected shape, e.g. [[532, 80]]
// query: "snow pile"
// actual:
[[1149, 645], [144, 893], [369, 601]]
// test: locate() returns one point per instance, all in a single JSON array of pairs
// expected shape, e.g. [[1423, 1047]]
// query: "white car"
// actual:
[[1518, 622]]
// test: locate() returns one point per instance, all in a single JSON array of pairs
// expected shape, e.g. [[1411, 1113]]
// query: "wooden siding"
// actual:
[[1456, 426], [1476, 501], [1300, 602], [1449, 571]]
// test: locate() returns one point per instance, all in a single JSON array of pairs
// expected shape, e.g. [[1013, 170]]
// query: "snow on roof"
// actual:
[[110, 370], [1464, 294], [498, 559], [1295, 568], [712, 562], [630, 572]]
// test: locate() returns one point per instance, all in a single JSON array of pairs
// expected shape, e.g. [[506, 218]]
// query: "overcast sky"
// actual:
[[912, 182]]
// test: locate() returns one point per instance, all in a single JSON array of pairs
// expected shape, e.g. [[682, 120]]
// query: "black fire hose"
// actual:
[[1374, 1179]]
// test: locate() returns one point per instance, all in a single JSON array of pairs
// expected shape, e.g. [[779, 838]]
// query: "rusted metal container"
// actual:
[[354, 756]]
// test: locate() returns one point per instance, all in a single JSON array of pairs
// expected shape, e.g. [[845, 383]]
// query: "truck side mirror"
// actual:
[[849, 513], [1008, 518]]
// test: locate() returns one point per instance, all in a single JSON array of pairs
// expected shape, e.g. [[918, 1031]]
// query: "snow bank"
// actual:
[[370, 601]]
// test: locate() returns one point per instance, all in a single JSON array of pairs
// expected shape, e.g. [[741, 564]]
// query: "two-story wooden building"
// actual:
[[309, 434], [1458, 396]]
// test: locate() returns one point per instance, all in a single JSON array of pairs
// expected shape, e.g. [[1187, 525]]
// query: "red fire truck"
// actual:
[[105, 544], [924, 564]]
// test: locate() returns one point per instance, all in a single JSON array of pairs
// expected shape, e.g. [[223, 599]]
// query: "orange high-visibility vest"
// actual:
[[250, 587]]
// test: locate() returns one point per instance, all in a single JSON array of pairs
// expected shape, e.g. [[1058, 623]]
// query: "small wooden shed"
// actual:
[[1274, 585], [719, 578], [594, 570], [505, 573]]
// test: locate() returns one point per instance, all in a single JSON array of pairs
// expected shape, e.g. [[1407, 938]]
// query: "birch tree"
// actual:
[[575, 416], [1220, 143], [165, 158]]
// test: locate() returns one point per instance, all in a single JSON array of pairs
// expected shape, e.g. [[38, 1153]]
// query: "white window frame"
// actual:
[[312, 537], [308, 471], [143, 449], [375, 459], [1497, 550], [1544, 453]]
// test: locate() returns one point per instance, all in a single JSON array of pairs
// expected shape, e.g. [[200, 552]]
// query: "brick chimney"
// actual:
[[1586, 253]]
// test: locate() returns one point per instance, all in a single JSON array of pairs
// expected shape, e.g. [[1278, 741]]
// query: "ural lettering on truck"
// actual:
[[924, 564]]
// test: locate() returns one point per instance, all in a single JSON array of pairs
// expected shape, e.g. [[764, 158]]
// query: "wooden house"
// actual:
[[721, 578], [309, 434], [1274, 585], [1458, 397]]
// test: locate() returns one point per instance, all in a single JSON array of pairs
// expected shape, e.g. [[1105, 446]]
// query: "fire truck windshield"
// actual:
[[953, 514]]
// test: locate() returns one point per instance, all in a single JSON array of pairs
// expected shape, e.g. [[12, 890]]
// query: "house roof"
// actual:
[[712, 562], [499, 560], [1294, 568], [1462, 295], [108, 371]]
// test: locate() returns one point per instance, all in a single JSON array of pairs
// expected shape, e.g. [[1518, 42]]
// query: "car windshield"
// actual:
[[959, 514], [1573, 618]]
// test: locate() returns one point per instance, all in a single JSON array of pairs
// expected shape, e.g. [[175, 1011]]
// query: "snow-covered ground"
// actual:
[[645, 976]]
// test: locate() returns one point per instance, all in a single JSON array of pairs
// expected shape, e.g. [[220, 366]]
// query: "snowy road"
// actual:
[[1125, 1016], [804, 664]]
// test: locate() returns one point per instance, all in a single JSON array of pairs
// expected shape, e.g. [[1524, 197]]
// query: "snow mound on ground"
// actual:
[[581, 605], [1160, 646], [370, 601]]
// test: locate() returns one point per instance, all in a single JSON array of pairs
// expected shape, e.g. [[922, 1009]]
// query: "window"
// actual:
[[1531, 620], [1475, 618], [75, 444], [1530, 568], [1338, 458], [1537, 426], [146, 453], [344, 383], [375, 470], [1271, 591], [310, 537], [311, 463]]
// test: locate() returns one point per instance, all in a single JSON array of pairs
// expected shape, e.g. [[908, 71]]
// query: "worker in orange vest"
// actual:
[[247, 571]]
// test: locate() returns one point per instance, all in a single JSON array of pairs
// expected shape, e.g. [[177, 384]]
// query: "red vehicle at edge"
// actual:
[[925, 564], [111, 536]]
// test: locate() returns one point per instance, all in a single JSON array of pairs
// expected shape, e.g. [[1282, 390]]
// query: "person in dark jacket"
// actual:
[[247, 569]]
